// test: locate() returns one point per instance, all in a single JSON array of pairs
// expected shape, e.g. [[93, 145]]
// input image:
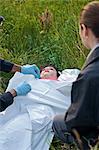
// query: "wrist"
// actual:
[[13, 92], [16, 68]]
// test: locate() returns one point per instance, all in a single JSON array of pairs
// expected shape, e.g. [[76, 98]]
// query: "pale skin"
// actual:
[[49, 73], [16, 68], [87, 37], [13, 92]]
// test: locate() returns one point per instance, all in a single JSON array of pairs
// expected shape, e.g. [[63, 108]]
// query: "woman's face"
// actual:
[[49, 73]]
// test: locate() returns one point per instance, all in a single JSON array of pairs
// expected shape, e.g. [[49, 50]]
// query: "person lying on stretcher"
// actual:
[[29, 119]]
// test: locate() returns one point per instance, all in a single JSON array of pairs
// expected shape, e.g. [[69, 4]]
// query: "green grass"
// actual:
[[21, 32], [23, 40]]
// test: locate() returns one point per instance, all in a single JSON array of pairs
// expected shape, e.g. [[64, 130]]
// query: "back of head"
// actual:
[[90, 17]]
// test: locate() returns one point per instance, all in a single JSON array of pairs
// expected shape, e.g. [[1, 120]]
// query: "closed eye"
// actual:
[[51, 69]]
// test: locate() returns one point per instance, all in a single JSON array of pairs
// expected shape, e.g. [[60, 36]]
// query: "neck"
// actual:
[[93, 41], [94, 44]]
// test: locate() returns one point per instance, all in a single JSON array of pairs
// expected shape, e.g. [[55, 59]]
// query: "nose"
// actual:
[[46, 70]]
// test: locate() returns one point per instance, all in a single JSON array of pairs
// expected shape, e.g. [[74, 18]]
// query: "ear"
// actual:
[[84, 29]]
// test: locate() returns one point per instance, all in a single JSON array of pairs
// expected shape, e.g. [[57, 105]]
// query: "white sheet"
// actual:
[[27, 123]]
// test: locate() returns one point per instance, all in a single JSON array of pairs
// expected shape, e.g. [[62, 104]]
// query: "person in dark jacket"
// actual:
[[82, 118], [7, 98]]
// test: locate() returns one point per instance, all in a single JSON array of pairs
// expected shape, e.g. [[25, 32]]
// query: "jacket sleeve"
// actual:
[[82, 110], [5, 65], [6, 99]]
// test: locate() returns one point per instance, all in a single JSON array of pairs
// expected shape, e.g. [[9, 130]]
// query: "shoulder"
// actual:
[[87, 79]]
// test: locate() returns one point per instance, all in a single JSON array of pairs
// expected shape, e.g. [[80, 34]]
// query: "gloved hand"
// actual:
[[22, 89], [31, 69]]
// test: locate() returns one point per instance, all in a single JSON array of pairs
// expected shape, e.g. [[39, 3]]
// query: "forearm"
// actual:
[[5, 66], [9, 67], [6, 99]]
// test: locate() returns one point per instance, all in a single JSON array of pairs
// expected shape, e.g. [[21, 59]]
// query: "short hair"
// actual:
[[90, 17]]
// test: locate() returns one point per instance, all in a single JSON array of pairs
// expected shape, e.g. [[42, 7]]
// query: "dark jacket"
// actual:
[[83, 113], [6, 99], [5, 65]]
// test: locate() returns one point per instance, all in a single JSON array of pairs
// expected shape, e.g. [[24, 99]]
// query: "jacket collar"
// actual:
[[93, 56]]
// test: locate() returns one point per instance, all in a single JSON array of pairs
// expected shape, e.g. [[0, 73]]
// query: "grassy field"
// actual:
[[28, 36]]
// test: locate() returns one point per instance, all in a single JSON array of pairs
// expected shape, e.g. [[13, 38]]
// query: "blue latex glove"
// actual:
[[31, 69], [22, 89]]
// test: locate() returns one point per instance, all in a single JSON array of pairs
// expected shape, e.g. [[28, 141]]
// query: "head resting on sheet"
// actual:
[[49, 72]]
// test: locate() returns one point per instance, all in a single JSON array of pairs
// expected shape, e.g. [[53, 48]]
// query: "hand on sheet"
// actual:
[[31, 69], [22, 89]]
